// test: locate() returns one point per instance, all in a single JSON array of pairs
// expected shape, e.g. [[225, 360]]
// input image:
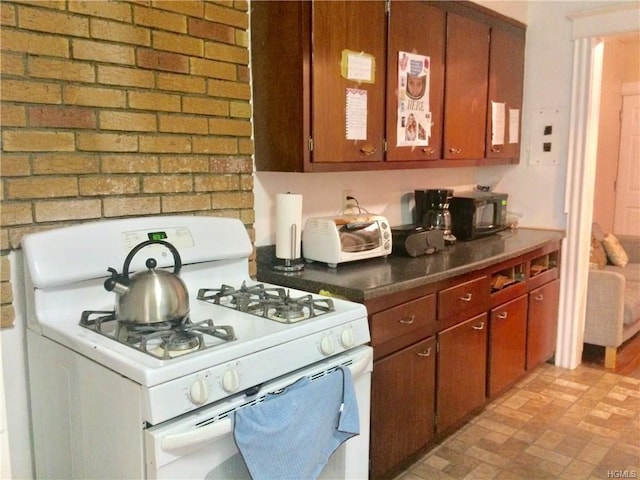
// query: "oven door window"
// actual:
[[359, 237]]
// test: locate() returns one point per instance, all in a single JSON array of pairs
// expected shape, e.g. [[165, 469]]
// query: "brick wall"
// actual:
[[117, 109]]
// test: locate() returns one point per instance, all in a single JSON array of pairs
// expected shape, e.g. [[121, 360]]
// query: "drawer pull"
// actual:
[[429, 150], [539, 298], [455, 150], [425, 353], [408, 320], [466, 298], [502, 315], [480, 326]]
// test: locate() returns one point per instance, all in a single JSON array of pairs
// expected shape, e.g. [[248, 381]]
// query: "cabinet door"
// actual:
[[280, 59], [542, 323], [462, 367], [467, 66], [507, 344], [402, 405], [359, 27], [416, 27], [506, 76]]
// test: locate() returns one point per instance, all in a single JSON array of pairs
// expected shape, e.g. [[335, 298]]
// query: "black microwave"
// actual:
[[477, 214]]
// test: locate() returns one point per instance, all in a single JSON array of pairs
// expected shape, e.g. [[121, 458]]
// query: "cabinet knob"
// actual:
[[425, 353], [466, 298], [408, 320], [368, 149], [455, 150], [479, 326]]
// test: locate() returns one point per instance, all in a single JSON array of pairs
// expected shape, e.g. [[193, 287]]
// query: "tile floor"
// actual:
[[554, 424]]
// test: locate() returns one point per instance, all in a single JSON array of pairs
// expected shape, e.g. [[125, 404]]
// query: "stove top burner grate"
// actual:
[[273, 303], [163, 340]]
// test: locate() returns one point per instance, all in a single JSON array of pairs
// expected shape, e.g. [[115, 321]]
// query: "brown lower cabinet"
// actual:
[[441, 351], [462, 364], [403, 411], [543, 323], [507, 345]]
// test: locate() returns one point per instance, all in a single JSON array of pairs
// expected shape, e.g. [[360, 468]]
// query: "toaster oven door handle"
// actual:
[[357, 225]]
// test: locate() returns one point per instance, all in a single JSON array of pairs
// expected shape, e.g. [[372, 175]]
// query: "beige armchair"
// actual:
[[613, 302]]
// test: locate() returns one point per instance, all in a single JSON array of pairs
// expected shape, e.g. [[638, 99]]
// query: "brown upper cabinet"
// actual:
[[311, 63], [326, 84], [416, 28], [465, 102], [506, 78]]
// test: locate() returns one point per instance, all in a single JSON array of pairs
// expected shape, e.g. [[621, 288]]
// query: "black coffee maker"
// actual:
[[432, 211]]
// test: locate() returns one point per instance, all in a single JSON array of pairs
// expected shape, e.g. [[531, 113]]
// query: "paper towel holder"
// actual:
[[289, 266]]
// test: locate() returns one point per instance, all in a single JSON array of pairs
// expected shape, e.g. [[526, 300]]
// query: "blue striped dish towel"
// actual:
[[292, 434]]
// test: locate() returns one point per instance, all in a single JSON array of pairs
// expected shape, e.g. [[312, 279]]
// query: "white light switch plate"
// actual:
[[548, 139]]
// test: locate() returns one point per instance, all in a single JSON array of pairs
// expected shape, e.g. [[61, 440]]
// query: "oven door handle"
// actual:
[[195, 437], [361, 364]]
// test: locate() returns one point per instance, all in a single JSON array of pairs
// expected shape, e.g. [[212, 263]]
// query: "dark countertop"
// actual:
[[366, 279]]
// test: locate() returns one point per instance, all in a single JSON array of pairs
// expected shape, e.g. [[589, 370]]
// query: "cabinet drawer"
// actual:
[[462, 301], [405, 323]]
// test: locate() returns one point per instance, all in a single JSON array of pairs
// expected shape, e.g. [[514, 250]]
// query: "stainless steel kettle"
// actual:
[[151, 296]]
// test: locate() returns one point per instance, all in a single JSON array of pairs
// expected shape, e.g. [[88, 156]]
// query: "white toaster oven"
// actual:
[[346, 238]]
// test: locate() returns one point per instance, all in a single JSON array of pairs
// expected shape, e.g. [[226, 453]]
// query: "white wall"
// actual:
[[384, 193]]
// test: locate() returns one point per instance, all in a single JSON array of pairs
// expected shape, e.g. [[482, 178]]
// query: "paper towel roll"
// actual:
[[288, 213]]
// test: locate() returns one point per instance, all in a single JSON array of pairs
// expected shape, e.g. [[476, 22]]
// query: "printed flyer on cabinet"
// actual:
[[414, 114]]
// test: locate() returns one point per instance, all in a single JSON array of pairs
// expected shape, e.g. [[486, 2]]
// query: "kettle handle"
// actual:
[[177, 261]]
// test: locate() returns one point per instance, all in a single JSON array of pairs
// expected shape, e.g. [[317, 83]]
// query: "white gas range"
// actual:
[[128, 401]]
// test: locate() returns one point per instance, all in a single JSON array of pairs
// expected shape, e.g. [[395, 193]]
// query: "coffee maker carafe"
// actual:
[[432, 211]]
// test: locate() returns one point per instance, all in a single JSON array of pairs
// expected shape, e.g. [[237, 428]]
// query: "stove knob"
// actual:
[[199, 392], [230, 381], [326, 345], [346, 337]]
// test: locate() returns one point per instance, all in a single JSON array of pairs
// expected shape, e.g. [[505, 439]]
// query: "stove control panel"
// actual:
[[179, 237], [246, 374]]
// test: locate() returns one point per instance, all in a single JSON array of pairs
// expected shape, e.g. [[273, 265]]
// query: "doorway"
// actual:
[[627, 208], [618, 151], [589, 29]]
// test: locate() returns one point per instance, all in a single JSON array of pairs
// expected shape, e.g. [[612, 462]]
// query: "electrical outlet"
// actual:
[[346, 202]]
